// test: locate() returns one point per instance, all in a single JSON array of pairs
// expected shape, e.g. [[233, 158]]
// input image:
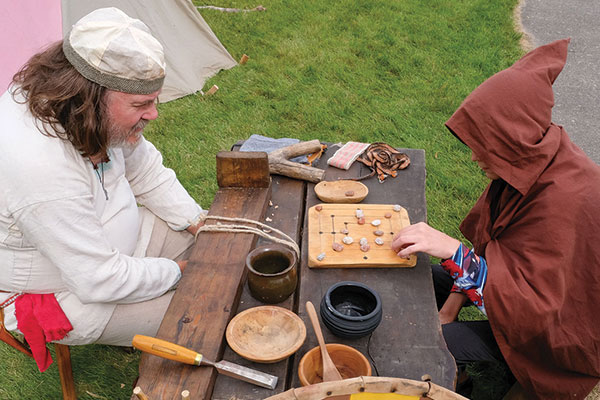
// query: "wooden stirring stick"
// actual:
[[330, 372]]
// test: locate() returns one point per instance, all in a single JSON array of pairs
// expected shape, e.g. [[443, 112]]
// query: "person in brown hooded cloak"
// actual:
[[535, 227]]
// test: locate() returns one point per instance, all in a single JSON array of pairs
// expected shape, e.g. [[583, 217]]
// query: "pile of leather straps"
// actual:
[[383, 160]]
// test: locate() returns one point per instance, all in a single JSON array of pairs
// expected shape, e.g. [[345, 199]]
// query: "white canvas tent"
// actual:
[[192, 51]]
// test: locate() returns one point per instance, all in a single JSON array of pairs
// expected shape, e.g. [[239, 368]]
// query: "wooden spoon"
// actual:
[[330, 372]]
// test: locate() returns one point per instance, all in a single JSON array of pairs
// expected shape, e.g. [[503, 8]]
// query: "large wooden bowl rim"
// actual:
[[241, 331]]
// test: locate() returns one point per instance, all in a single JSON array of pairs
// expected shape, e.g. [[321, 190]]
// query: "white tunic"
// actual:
[[59, 234]]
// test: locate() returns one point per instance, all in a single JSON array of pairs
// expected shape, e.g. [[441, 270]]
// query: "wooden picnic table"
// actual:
[[408, 342]]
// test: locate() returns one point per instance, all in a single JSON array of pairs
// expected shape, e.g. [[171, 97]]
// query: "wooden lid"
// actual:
[[342, 191]]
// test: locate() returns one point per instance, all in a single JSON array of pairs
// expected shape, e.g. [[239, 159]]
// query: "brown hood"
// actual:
[[537, 226], [506, 120]]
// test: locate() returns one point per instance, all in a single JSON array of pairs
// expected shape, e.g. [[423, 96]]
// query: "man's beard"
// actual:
[[118, 137]]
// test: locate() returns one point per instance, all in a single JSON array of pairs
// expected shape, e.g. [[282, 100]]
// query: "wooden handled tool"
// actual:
[[171, 351], [330, 372]]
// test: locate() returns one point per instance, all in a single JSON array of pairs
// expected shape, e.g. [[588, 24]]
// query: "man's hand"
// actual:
[[194, 228], [182, 264], [421, 237]]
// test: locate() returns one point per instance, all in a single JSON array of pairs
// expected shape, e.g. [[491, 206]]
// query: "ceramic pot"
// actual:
[[351, 309], [272, 273]]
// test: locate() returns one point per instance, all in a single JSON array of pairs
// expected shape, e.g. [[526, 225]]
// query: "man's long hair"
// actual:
[[71, 107]]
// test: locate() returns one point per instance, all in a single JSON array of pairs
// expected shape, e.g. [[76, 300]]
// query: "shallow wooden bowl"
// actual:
[[342, 191], [265, 334], [349, 361]]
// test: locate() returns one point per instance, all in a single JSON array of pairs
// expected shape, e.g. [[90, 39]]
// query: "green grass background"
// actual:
[[391, 71]]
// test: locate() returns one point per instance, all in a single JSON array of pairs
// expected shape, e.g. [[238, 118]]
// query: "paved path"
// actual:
[[577, 89]]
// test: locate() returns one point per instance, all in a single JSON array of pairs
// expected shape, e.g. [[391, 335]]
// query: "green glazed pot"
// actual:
[[272, 273]]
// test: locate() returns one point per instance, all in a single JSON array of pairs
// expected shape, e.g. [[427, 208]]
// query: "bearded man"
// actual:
[[78, 256]]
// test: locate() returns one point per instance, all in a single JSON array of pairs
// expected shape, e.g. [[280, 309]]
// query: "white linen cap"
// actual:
[[116, 51]]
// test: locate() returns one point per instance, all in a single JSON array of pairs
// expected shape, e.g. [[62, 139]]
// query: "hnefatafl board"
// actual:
[[331, 222]]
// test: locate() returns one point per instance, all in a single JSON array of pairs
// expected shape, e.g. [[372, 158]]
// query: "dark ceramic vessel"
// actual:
[[351, 309], [272, 273]]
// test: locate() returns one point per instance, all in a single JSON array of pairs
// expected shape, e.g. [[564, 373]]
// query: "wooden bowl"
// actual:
[[349, 361], [342, 191], [265, 334]]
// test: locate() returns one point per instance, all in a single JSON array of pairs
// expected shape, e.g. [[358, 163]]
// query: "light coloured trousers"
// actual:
[[144, 318]]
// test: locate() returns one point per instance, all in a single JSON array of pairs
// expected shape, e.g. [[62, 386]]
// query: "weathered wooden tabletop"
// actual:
[[408, 342]]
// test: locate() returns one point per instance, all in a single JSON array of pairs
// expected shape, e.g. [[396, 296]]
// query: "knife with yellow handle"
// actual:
[[172, 351]]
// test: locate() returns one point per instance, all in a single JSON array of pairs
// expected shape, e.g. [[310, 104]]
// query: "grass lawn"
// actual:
[[391, 71]]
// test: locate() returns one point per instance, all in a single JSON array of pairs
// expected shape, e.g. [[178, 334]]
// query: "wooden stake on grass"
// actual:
[[140, 395], [212, 90], [244, 59]]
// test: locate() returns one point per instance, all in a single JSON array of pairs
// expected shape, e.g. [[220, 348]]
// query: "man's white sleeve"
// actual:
[[157, 188], [68, 233]]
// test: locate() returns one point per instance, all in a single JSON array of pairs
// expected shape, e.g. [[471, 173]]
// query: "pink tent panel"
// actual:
[[26, 27]]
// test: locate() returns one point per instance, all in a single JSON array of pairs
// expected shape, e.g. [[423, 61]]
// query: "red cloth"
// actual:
[[539, 233], [41, 320]]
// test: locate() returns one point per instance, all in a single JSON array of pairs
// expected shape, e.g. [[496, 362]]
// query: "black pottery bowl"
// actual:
[[351, 309]]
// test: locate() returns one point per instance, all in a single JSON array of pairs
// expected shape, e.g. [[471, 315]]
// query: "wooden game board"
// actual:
[[325, 226]]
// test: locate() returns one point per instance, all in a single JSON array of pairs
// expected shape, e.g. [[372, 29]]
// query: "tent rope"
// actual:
[[225, 9]]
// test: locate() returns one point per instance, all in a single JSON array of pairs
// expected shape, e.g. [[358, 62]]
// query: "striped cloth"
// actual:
[[469, 272], [347, 154]]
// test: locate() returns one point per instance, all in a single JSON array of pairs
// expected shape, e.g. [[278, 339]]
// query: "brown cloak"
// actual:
[[540, 232]]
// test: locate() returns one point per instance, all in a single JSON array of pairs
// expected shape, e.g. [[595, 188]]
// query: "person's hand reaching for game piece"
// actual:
[[421, 237]]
